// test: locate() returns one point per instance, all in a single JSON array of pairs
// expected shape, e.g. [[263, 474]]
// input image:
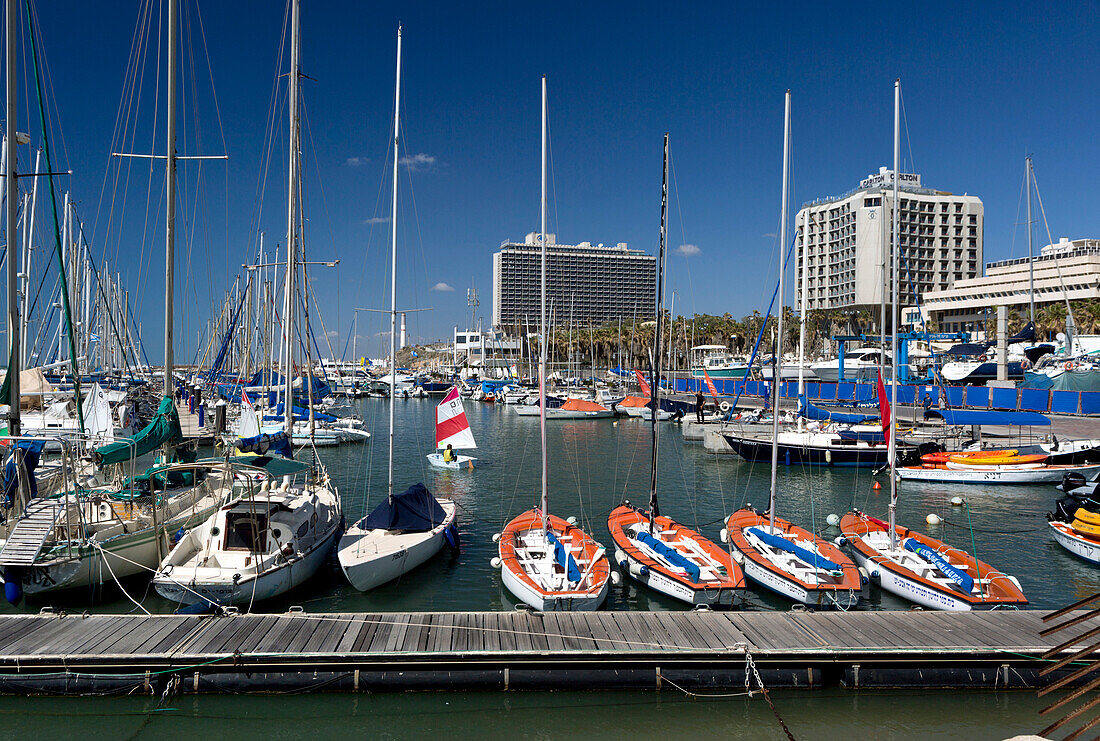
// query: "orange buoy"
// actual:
[[876, 486]]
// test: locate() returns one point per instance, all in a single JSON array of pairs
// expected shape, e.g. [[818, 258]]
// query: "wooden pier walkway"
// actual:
[[524, 650]]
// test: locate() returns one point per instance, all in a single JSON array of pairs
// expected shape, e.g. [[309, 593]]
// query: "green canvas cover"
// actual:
[[164, 427]]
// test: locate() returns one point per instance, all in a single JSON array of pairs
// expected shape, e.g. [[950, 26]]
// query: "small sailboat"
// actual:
[[773, 552], [914, 566], [654, 549], [406, 529], [545, 561], [452, 432]]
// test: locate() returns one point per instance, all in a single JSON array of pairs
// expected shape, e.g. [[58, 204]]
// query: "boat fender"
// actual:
[[13, 585], [840, 541], [571, 520], [787, 459], [616, 578], [932, 519], [864, 577], [724, 535], [452, 537], [178, 536], [495, 562], [1015, 581], [833, 520], [829, 457], [739, 557], [643, 571], [876, 575], [496, 537], [956, 501]]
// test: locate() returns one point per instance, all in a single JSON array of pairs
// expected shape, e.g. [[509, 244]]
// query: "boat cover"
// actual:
[[26, 455], [414, 510], [809, 411], [670, 554], [965, 581], [164, 427], [966, 350], [635, 401], [580, 405], [979, 417], [275, 466], [1027, 334], [302, 413], [814, 559], [262, 376], [275, 443], [565, 558]]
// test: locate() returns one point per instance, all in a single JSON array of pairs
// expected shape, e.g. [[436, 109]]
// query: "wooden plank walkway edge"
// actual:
[[523, 650]]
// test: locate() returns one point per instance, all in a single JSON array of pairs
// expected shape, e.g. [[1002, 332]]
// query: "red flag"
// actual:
[[884, 408], [710, 385], [641, 382]]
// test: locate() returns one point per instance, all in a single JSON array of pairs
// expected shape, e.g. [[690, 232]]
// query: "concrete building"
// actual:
[[592, 284], [1069, 269], [940, 236]]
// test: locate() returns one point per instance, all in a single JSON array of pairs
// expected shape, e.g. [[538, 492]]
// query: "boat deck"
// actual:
[[524, 650]]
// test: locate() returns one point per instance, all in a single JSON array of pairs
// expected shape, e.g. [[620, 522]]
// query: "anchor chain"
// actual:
[[752, 671]]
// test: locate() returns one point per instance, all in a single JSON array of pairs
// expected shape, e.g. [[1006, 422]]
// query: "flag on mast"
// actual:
[[451, 426], [883, 408], [642, 384]]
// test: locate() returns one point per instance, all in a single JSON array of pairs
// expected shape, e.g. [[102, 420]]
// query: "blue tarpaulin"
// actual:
[[814, 559], [809, 411], [965, 581], [565, 558], [414, 510], [303, 413], [670, 555], [275, 443], [29, 451], [981, 417]]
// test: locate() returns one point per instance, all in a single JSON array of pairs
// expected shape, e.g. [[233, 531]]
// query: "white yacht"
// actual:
[[716, 362], [860, 364]]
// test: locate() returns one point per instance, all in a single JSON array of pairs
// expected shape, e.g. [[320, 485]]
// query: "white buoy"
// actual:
[[833, 520], [495, 562], [616, 578], [571, 520], [724, 535], [957, 501], [496, 537], [932, 519]]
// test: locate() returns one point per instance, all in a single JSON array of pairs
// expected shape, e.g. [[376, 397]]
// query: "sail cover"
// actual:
[[249, 424], [414, 510], [670, 554], [814, 559], [97, 412], [451, 426], [807, 410], [965, 581], [164, 427], [276, 442]]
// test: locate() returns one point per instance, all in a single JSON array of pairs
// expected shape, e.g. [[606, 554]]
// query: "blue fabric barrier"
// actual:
[[845, 391], [1090, 402], [955, 396], [866, 392], [753, 388], [1034, 400], [1065, 402], [907, 394], [828, 392], [977, 397], [789, 389], [1002, 398]]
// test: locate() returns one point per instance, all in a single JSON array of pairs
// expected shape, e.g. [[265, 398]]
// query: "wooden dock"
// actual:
[[695, 651]]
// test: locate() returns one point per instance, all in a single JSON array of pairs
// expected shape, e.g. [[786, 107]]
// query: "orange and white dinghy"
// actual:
[[551, 564], [673, 559], [927, 571], [792, 561]]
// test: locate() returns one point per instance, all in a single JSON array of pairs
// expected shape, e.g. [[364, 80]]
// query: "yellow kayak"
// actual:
[[1087, 529], [1083, 515]]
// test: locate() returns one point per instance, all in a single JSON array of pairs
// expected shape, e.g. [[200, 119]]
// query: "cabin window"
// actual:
[[246, 531]]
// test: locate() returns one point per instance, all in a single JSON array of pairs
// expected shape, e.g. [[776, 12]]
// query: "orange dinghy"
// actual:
[[969, 455], [559, 567], [673, 559], [927, 571], [793, 562]]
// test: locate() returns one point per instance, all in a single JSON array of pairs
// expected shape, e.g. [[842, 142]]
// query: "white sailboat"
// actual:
[[547, 562], [406, 530], [452, 432]]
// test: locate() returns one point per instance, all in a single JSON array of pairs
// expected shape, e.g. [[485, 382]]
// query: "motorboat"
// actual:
[[860, 364]]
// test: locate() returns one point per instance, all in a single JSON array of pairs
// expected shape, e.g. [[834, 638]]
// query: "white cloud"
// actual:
[[769, 235], [377, 220], [441, 286], [419, 161], [356, 161], [333, 333], [688, 250]]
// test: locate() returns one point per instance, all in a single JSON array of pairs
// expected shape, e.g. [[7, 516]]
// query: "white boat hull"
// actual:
[[659, 582], [460, 462], [909, 589], [1077, 545], [991, 474], [371, 558], [790, 589], [524, 592]]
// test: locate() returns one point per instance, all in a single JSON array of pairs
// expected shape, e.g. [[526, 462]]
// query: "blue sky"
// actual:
[[982, 85]]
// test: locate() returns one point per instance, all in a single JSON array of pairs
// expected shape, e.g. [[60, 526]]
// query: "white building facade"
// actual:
[[586, 284], [1069, 270], [846, 242]]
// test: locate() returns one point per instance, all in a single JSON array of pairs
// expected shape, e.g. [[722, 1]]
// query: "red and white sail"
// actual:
[[451, 426]]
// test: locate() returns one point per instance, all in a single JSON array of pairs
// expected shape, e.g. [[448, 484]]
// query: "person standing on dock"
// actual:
[[699, 406]]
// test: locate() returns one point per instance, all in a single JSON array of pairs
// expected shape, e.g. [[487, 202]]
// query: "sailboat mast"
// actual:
[[544, 504], [393, 254], [802, 307], [655, 365], [1030, 255], [11, 11], [289, 306], [779, 314], [894, 249], [170, 209]]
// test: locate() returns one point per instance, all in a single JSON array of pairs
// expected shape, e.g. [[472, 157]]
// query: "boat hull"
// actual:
[[994, 474], [759, 449], [1078, 545], [460, 462]]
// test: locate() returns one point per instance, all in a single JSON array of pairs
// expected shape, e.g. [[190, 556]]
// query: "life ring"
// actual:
[[1068, 365], [1025, 364], [724, 406]]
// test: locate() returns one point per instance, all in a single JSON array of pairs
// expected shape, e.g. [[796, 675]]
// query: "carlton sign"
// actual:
[[886, 178]]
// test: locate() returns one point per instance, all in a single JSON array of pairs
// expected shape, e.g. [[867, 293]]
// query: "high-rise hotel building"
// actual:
[[588, 285], [844, 238]]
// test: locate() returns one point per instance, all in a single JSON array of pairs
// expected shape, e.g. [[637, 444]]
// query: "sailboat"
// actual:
[[654, 549], [274, 536], [775, 553], [914, 566], [406, 529], [452, 430], [550, 563]]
